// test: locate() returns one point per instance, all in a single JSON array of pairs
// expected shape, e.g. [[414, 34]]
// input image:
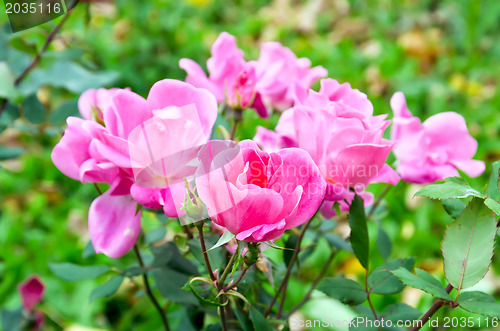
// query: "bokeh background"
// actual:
[[443, 54]]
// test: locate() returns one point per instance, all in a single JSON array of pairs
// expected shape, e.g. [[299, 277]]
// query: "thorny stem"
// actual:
[[315, 283], [284, 283], [228, 268], [204, 251], [434, 308], [238, 280], [368, 295], [163, 315], [37, 58]]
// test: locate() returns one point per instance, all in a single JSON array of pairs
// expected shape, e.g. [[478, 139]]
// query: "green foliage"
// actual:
[[382, 281], [479, 303], [107, 288], [345, 290], [452, 188], [423, 281], [468, 245], [359, 231], [259, 321], [72, 272], [43, 214]]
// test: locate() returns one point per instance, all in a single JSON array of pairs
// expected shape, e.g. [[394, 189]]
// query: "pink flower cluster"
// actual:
[[336, 126], [432, 150], [96, 149], [327, 145], [268, 83]]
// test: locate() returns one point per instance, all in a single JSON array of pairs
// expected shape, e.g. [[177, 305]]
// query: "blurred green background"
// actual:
[[444, 55]]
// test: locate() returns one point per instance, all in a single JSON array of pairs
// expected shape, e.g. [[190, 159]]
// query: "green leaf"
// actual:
[[494, 183], [479, 303], [384, 244], [259, 321], [88, 250], [65, 74], [493, 205], [382, 281], [291, 242], [345, 290], [7, 153], [336, 241], [155, 235], [190, 287], [11, 319], [244, 320], [224, 239], [359, 231], [72, 272], [400, 312], [22, 45], [452, 188], [66, 109], [106, 289], [168, 255], [33, 110], [170, 284], [468, 245], [454, 207], [134, 271], [423, 281]]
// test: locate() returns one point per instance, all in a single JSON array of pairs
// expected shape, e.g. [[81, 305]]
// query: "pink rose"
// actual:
[[432, 150], [337, 128], [31, 292], [177, 117], [93, 101], [280, 74], [268, 82], [256, 195]]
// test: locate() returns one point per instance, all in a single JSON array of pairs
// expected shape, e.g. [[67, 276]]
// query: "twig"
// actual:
[[434, 308], [38, 56], [378, 201], [368, 295], [149, 292], [283, 285], [315, 283], [199, 226], [233, 129], [98, 188], [238, 280], [228, 268]]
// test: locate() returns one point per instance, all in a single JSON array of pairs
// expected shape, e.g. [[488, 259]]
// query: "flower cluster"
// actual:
[[328, 144], [268, 83]]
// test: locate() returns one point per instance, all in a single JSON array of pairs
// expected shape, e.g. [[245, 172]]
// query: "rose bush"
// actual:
[[300, 186]]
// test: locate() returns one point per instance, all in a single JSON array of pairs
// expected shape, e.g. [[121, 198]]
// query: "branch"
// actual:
[[284, 283], [238, 280], [37, 58], [204, 251], [434, 308], [368, 295], [163, 315], [315, 283]]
